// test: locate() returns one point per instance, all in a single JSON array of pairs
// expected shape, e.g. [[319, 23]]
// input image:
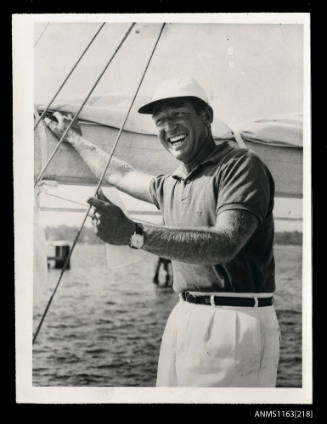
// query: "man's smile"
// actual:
[[177, 140]]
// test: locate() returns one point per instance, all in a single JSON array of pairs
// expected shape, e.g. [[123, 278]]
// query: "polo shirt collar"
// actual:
[[216, 154]]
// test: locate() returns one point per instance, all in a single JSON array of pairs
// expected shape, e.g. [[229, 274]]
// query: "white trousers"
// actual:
[[219, 346]]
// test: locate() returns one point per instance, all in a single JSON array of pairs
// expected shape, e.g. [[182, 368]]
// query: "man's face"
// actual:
[[181, 129]]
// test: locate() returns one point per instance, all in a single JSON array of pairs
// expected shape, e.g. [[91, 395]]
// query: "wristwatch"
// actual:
[[137, 238]]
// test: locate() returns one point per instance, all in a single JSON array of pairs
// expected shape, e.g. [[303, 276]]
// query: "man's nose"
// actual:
[[170, 125]]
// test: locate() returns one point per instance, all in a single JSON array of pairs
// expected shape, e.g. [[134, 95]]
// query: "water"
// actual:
[[104, 326]]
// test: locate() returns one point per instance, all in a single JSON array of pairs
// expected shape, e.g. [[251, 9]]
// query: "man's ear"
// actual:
[[207, 115]]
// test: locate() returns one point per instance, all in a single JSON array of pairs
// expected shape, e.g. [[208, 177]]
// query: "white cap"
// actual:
[[175, 87]]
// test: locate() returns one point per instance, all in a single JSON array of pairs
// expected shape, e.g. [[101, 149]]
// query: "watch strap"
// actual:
[[139, 229]]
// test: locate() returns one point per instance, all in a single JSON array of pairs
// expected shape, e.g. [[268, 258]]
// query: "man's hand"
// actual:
[[111, 224], [59, 124]]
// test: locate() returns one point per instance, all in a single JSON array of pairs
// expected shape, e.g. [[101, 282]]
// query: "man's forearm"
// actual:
[[120, 174], [203, 245], [96, 160]]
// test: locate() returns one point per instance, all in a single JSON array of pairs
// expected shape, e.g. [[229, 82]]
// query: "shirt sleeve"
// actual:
[[156, 189], [245, 183]]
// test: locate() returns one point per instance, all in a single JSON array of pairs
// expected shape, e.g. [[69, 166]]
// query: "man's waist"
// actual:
[[228, 299]]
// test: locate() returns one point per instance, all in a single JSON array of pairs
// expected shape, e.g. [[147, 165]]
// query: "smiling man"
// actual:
[[217, 210]]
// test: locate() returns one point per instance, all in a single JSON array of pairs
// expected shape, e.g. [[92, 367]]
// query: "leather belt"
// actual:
[[227, 301]]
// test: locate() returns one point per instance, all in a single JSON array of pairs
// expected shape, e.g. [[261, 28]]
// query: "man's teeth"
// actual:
[[177, 138]]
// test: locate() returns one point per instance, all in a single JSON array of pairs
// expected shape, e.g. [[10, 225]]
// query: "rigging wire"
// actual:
[[98, 186], [128, 112], [82, 105], [63, 198], [41, 35], [68, 75]]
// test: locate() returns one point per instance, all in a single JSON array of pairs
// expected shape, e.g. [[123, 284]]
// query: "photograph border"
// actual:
[[23, 94]]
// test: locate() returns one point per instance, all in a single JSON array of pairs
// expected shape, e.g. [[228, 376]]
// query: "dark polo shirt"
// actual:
[[230, 179]]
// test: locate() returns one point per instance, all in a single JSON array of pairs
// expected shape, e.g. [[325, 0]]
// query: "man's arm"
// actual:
[[120, 174], [202, 245], [207, 245]]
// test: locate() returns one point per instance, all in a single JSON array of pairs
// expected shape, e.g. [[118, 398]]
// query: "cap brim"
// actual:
[[148, 108]]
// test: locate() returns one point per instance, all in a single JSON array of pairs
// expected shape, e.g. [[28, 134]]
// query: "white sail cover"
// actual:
[[283, 130], [110, 110], [278, 140]]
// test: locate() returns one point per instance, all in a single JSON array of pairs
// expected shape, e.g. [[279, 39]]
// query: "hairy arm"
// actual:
[[203, 245], [120, 174]]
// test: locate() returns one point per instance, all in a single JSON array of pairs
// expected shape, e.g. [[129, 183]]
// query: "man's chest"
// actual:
[[190, 203]]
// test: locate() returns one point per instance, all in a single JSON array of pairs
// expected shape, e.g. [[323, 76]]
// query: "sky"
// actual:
[[247, 70]]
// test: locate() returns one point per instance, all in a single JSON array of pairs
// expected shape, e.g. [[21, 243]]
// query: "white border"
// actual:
[[23, 216], [307, 226]]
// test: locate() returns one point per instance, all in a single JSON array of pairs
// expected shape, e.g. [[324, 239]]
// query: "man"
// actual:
[[166, 264], [217, 209]]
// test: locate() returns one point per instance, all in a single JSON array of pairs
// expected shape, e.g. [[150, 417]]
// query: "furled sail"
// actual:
[[277, 140]]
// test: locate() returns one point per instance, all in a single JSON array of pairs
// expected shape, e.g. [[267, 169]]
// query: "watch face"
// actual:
[[137, 241]]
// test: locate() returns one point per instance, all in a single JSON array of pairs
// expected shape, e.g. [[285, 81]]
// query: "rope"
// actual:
[[40, 36], [51, 209], [98, 187], [128, 112], [63, 198], [68, 76], [81, 107], [239, 140], [79, 210]]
